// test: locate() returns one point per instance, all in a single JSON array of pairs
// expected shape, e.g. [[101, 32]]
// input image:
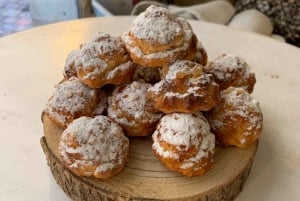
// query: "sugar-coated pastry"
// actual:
[[237, 120], [104, 60], [70, 100], [72, 63], [157, 38], [129, 107], [184, 88], [149, 75], [184, 143], [230, 70], [94, 147]]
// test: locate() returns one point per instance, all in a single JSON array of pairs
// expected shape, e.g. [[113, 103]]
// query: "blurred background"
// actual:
[[279, 19]]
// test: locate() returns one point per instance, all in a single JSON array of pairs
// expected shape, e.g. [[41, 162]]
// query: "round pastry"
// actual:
[[72, 63], [157, 38], [129, 107], [94, 147], [104, 60], [237, 120], [230, 70], [149, 75], [184, 143], [184, 88], [81, 144], [71, 100]]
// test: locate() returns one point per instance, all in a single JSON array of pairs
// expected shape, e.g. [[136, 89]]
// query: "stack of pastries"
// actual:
[[153, 80]]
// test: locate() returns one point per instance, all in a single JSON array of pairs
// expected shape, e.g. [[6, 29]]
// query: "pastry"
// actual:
[[230, 70], [157, 38], [70, 100], [184, 143], [237, 120], [151, 88], [184, 88], [104, 60], [72, 63], [94, 147], [129, 107]]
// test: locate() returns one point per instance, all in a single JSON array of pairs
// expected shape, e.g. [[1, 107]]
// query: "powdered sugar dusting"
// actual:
[[98, 65], [187, 68], [241, 99], [104, 167], [122, 67], [132, 99], [243, 105], [105, 43], [91, 53], [166, 154], [99, 142], [156, 24], [70, 96], [184, 131], [226, 66], [178, 69], [207, 146], [72, 62]]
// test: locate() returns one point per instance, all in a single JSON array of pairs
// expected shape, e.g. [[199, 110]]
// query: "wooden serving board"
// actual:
[[145, 178]]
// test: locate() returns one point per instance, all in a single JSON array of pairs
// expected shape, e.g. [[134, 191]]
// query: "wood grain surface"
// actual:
[[145, 178]]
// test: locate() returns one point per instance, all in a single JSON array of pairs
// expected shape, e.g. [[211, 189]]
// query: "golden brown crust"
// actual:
[[230, 70], [184, 144], [129, 107], [237, 120], [71, 64], [158, 38], [158, 41], [184, 88], [104, 60], [71, 100], [94, 147], [175, 166]]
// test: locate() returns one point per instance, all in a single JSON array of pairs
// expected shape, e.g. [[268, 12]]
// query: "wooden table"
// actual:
[[31, 63]]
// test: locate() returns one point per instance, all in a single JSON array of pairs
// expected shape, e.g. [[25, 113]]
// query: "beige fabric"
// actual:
[[219, 12], [253, 21]]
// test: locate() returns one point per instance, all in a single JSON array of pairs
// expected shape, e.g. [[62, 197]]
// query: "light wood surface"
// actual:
[[31, 64], [145, 178]]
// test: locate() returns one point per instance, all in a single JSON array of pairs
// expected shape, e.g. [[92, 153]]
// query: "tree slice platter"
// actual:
[[145, 178]]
